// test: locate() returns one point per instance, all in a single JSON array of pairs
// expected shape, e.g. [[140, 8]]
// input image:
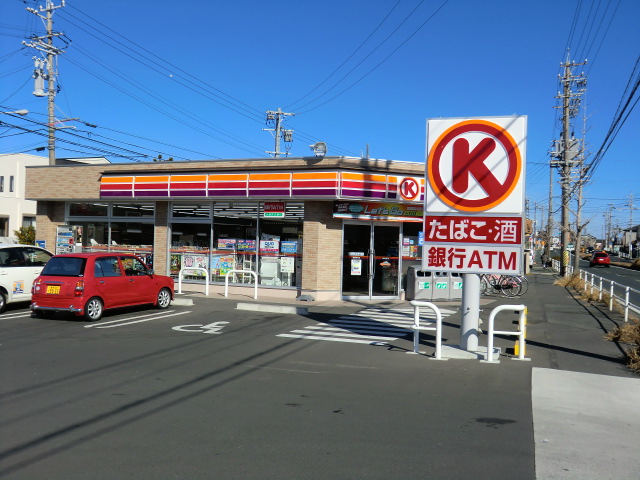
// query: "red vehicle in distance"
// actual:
[[87, 284], [600, 258]]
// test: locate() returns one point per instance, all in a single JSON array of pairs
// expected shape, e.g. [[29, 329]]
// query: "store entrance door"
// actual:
[[370, 260]]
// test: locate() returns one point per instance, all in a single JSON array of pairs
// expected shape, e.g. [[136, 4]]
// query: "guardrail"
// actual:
[[206, 279], [620, 295], [255, 281], [521, 333], [622, 298], [417, 328]]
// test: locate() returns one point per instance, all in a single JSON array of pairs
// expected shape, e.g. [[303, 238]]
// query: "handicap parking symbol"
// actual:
[[214, 328]]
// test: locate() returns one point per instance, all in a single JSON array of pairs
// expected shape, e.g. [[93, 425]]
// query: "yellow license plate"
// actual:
[[53, 289]]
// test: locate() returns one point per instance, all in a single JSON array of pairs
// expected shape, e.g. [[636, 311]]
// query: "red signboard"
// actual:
[[472, 258], [273, 209], [473, 230]]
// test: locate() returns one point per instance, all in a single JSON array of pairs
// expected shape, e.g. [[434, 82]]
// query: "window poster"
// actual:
[[270, 246], [287, 265], [226, 244], [289, 246], [356, 266], [246, 245]]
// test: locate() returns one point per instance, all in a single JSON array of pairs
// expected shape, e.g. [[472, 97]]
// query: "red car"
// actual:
[[600, 258], [86, 284]]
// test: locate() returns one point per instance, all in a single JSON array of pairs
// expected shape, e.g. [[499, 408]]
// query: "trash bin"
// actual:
[[441, 286], [455, 292], [419, 284]]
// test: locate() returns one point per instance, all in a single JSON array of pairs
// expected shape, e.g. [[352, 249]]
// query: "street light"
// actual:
[[22, 112]]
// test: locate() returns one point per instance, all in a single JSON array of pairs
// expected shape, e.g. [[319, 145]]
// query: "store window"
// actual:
[[235, 228], [411, 249], [118, 227], [280, 243], [88, 209], [190, 239], [136, 210], [4, 226]]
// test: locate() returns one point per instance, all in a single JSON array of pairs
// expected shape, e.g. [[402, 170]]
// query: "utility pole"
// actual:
[[44, 44], [567, 149], [275, 119], [547, 247]]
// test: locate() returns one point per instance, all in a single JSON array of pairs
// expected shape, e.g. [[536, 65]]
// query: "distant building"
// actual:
[[15, 211]]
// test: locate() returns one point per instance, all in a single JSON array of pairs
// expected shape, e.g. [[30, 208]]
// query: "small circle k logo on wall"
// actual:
[[409, 189]]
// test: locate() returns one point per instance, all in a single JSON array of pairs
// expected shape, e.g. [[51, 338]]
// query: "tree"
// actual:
[[26, 235]]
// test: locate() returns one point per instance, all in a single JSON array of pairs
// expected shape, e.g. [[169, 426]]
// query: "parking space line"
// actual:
[[125, 321], [11, 316]]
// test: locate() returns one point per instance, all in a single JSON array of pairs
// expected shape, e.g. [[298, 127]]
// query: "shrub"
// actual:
[[26, 235]]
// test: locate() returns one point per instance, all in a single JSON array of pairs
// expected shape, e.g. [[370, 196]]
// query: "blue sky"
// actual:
[[193, 80]]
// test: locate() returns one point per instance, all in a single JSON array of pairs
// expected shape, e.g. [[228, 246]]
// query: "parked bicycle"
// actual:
[[505, 285]]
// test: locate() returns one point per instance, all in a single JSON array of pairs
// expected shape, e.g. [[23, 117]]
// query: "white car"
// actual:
[[20, 265]]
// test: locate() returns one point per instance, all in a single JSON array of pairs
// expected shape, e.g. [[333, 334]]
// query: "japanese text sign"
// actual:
[[472, 229]]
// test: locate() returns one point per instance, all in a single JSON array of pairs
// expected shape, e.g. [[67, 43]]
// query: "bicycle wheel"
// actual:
[[509, 285], [524, 285], [485, 287]]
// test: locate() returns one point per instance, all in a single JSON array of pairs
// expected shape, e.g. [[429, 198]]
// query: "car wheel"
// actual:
[[93, 309], [607, 266], [164, 298], [3, 301]]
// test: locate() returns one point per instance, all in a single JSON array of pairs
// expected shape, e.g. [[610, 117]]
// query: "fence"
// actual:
[[617, 292]]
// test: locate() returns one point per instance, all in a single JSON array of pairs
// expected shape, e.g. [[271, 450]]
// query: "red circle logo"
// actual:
[[409, 189], [474, 165]]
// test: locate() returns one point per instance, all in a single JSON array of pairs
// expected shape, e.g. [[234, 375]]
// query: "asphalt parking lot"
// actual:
[[208, 391]]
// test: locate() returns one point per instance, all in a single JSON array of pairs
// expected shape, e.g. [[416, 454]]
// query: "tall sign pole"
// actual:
[[474, 205]]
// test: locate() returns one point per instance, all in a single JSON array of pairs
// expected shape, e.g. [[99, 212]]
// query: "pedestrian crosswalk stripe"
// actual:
[[329, 339], [370, 326]]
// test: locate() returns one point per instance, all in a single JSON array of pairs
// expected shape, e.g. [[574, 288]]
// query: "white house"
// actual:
[[15, 211]]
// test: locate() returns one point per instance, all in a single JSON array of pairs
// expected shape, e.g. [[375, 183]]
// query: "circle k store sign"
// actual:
[[475, 165]]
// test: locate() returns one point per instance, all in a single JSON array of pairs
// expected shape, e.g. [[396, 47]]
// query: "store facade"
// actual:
[[330, 227]]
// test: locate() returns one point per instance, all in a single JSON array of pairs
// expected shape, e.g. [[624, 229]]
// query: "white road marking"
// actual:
[[125, 321], [10, 316], [368, 326]]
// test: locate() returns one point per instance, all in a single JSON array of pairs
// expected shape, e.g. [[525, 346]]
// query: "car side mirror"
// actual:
[[150, 271]]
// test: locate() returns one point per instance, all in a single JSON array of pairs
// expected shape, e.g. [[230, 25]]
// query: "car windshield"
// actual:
[[64, 267], [601, 255]]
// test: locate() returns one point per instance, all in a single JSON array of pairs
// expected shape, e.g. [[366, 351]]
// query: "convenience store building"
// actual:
[[328, 227]]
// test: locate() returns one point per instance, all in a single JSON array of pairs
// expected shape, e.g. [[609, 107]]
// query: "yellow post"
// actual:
[[516, 349]]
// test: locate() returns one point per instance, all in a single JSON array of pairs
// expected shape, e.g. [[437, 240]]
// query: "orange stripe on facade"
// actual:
[[152, 179], [364, 177], [269, 176], [188, 178], [228, 177], [116, 180], [316, 176]]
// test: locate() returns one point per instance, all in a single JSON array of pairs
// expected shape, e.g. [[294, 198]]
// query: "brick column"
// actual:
[[48, 216], [321, 251], [160, 243]]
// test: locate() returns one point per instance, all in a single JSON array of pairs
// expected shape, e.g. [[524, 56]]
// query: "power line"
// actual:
[[349, 57], [380, 63]]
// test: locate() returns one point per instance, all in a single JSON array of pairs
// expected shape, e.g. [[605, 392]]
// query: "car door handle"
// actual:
[[131, 280], [102, 281]]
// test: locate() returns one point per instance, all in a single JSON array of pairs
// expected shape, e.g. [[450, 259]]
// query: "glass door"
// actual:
[[370, 260], [385, 257]]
